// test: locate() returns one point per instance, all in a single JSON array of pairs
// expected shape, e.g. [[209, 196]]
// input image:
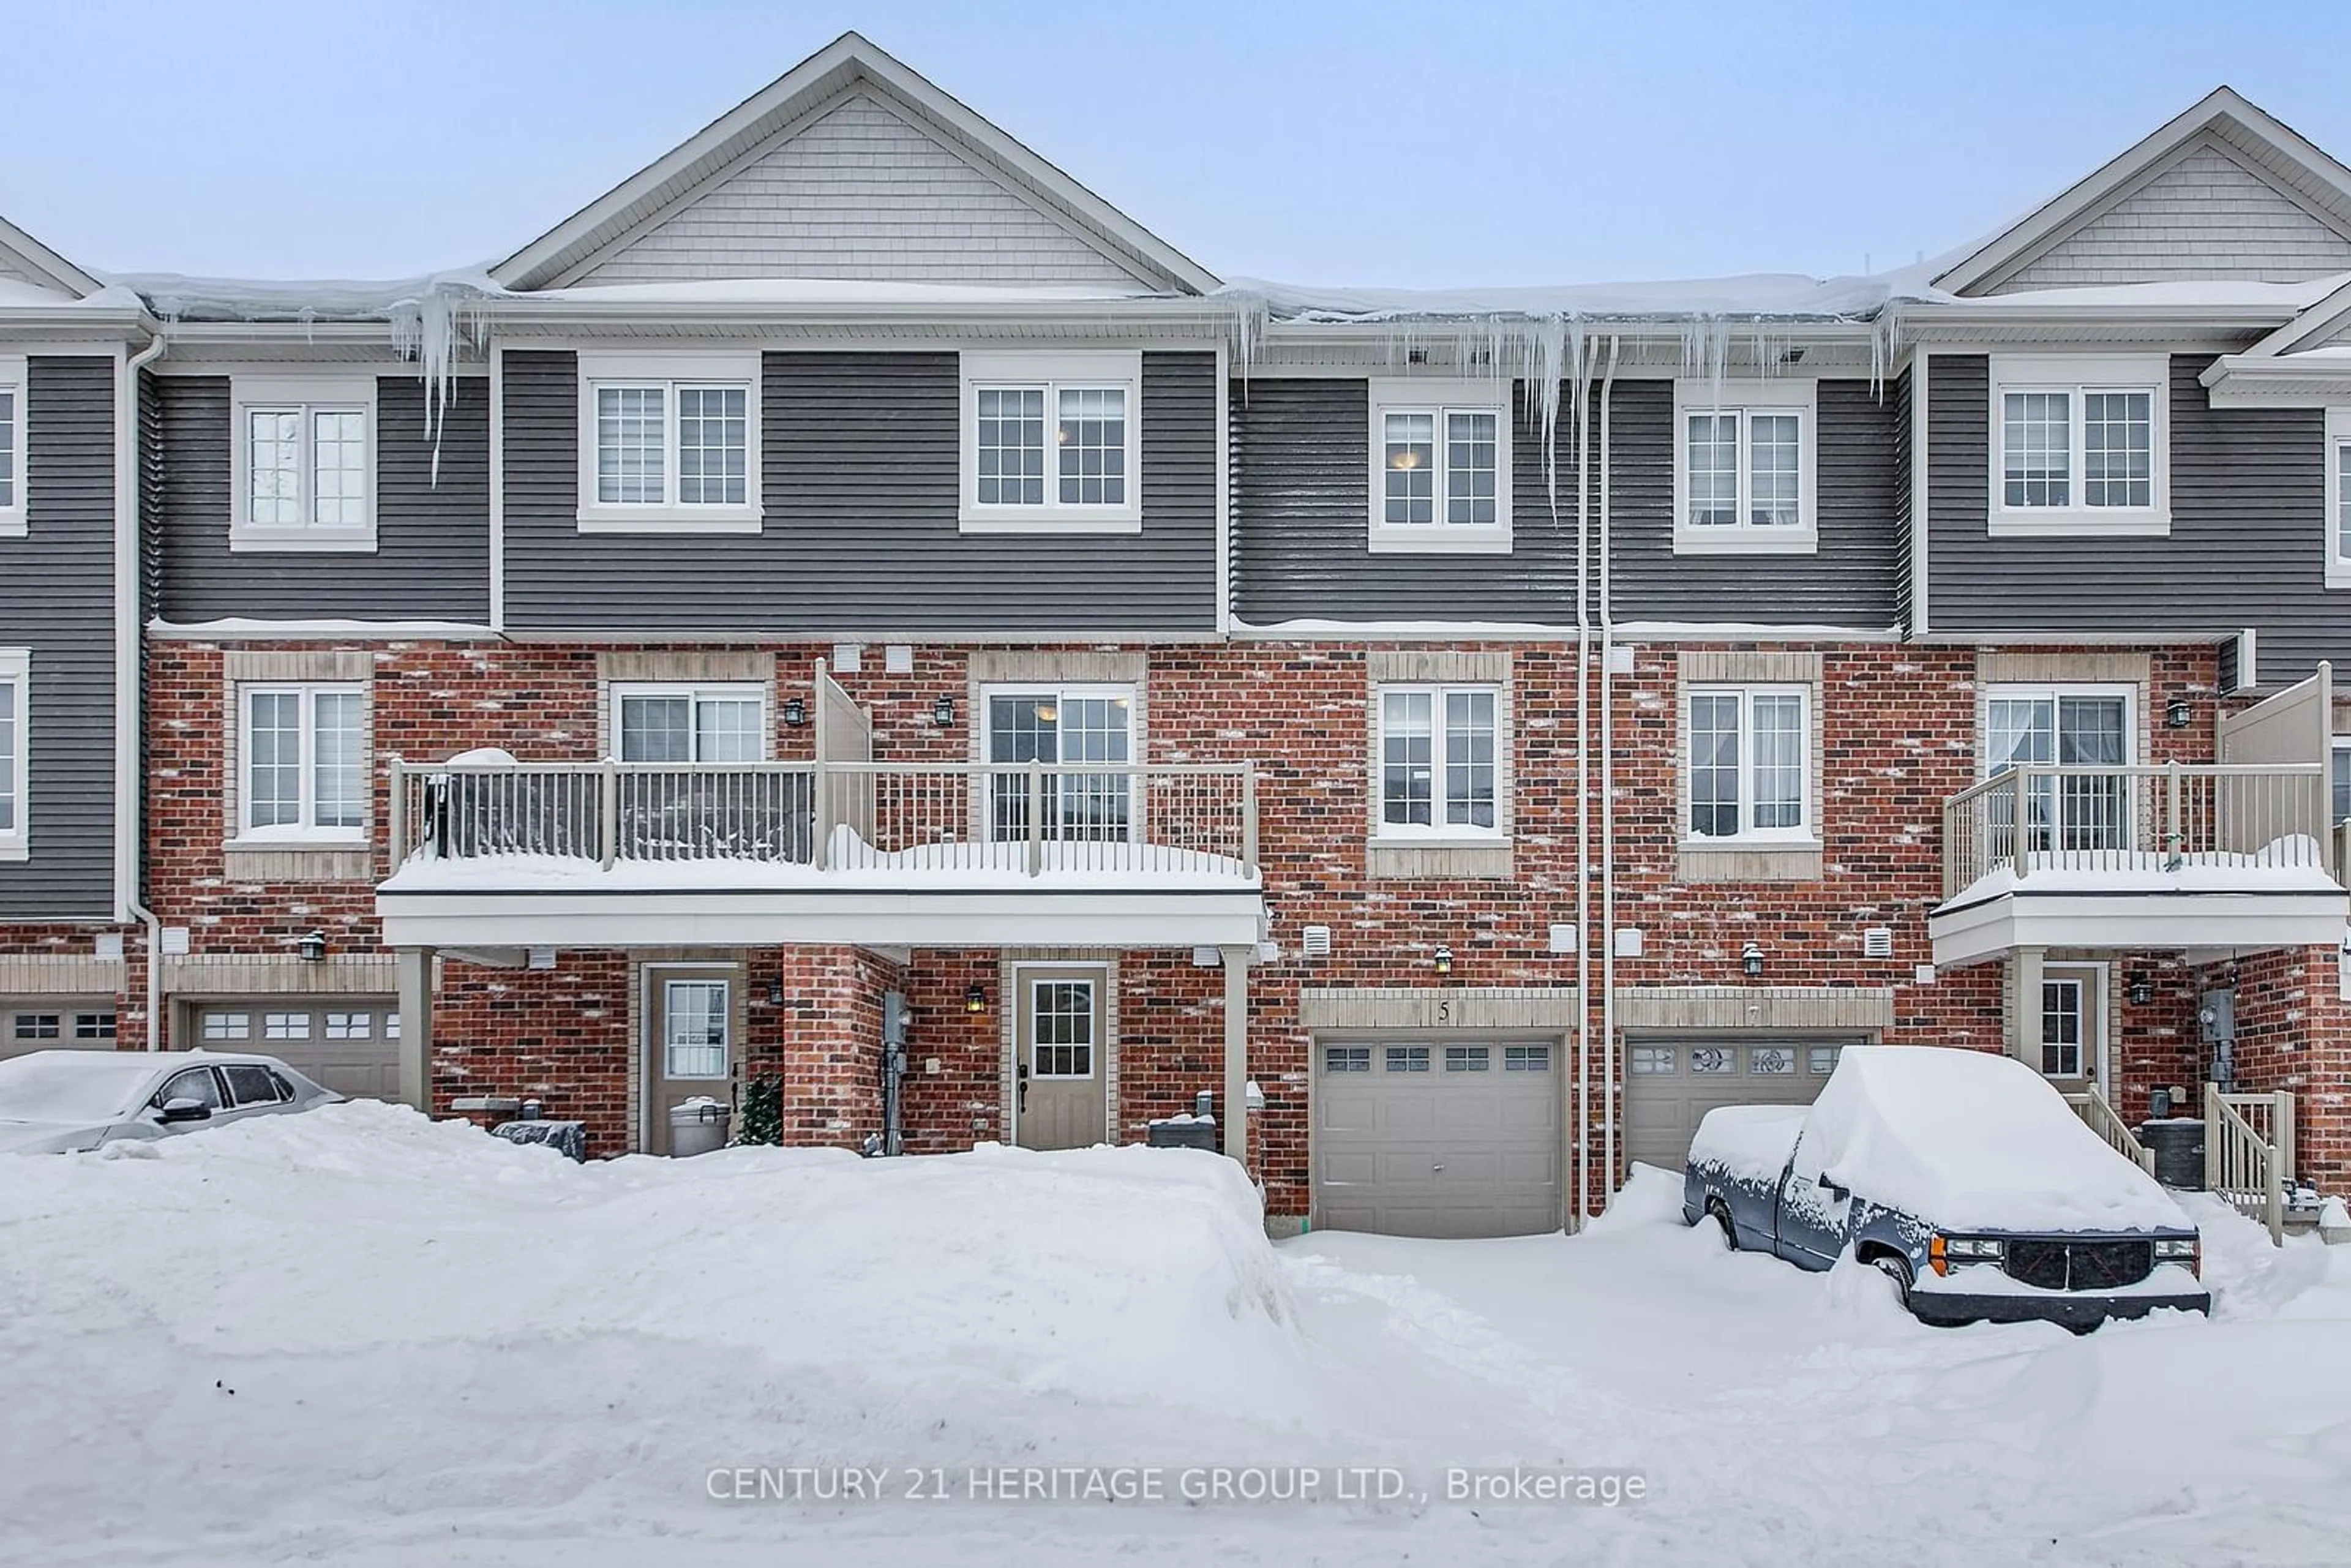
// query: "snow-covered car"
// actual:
[[1964, 1177], [58, 1102]]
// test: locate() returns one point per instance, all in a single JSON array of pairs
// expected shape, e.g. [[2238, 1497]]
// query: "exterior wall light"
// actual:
[[2142, 990], [975, 1000], [312, 949], [796, 711], [2178, 714], [1750, 961], [1445, 960], [943, 712]]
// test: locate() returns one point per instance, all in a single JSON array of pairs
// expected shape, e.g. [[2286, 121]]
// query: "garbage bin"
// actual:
[[698, 1125], [1183, 1133], [2177, 1145]]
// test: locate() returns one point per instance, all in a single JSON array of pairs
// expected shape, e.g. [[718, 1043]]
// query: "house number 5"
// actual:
[[1445, 1012]]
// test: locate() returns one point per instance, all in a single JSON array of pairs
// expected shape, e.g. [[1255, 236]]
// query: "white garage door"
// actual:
[[1671, 1084], [350, 1044], [1442, 1137], [45, 1023]]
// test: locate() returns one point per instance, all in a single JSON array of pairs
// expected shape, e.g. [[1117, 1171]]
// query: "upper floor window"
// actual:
[[1441, 466], [15, 682], [305, 463], [669, 443], [691, 724], [2080, 445], [1748, 770], [1052, 443], [1089, 732], [1438, 768], [2338, 497], [12, 447], [305, 771], [1743, 466]]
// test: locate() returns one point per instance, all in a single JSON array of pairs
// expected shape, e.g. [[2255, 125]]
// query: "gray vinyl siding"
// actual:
[[1302, 501], [1904, 525], [860, 480], [61, 608], [432, 560], [2246, 548]]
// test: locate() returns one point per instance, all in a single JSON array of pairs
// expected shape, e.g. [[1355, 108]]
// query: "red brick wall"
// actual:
[[78, 941]]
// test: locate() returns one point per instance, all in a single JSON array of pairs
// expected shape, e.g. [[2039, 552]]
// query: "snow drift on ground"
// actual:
[[355, 1337]]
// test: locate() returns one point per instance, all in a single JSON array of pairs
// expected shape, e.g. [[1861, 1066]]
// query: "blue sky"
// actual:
[[1374, 143]]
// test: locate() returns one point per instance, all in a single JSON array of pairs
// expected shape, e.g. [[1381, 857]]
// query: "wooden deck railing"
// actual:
[[2249, 1153], [2108, 1123]]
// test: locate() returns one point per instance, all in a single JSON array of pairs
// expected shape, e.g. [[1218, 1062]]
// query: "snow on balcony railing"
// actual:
[[781, 822], [2223, 828]]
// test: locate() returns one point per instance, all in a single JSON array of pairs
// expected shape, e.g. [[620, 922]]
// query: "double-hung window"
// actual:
[[690, 724], [1743, 466], [1750, 768], [1083, 739], [2080, 445], [669, 444], [1439, 766], [1052, 443], [15, 688], [1440, 467], [2088, 728], [304, 463], [12, 447], [304, 762]]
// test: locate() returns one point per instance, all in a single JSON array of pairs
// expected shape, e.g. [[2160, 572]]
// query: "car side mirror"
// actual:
[[1835, 1191], [184, 1110]]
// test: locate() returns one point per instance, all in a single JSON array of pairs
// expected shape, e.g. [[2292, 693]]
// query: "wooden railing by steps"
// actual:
[[2249, 1153], [2108, 1123]]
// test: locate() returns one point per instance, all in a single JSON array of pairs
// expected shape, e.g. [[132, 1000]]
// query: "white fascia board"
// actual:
[[36, 258], [2152, 921], [910, 919]]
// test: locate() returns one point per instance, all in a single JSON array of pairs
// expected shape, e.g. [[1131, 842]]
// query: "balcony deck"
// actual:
[[492, 852], [2173, 858]]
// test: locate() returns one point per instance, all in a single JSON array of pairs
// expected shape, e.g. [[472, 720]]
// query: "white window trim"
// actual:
[[1438, 835], [2028, 691], [669, 372], [1806, 833], [1076, 369], [1778, 396], [16, 668], [1440, 397], [302, 832], [247, 392], [2341, 747], [2076, 374], [14, 378], [732, 690], [2338, 558]]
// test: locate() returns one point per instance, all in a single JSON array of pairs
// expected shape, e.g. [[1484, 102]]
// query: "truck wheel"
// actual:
[[1721, 1212], [1897, 1270]]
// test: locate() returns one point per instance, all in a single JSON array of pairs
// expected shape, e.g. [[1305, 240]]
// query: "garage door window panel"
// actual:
[[1407, 1058], [1467, 1058], [1525, 1059], [1347, 1059]]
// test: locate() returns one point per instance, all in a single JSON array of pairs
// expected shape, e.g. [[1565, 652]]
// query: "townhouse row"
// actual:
[[848, 610]]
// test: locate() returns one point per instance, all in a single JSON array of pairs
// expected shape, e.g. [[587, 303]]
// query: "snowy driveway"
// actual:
[[355, 1337]]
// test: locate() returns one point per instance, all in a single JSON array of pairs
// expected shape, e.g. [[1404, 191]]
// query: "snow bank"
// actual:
[[1966, 1140], [1751, 1141]]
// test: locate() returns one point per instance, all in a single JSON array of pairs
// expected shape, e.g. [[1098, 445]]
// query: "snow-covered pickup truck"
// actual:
[[1964, 1177]]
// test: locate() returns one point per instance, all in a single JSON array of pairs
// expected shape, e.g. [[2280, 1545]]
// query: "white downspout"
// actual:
[[1607, 801], [130, 853], [1582, 1143]]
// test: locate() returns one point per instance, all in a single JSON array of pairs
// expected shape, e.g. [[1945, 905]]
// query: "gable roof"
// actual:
[[816, 84], [2321, 321], [2223, 118], [22, 255]]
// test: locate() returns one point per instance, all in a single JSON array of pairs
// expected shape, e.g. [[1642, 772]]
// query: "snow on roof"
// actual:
[[1968, 1140], [1755, 297], [2201, 293], [840, 291], [2290, 864]]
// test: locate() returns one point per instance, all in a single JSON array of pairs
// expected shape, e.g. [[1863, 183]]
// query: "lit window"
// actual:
[[305, 761], [305, 464], [1439, 765], [16, 689], [1088, 732], [669, 444], [1441, 466], [1743, 465], [687, 724], [1749, 772], [1051, 441], [2078, 445]]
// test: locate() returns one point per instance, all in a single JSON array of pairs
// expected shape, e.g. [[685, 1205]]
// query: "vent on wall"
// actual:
[[1314, 941], [1877, 942]]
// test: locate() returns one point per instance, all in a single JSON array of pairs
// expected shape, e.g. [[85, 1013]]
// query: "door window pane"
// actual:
[[695, 1025], [1061, 1028], [2061, 1028], [1093, 733]]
